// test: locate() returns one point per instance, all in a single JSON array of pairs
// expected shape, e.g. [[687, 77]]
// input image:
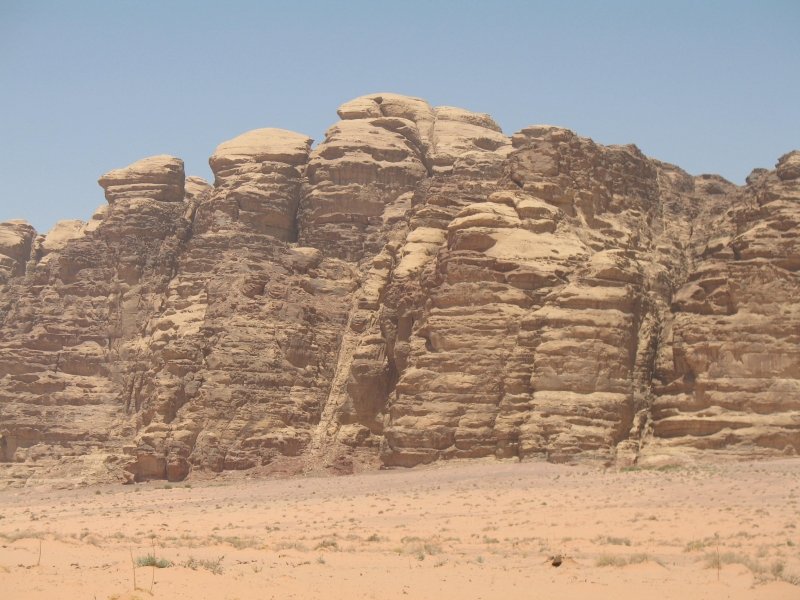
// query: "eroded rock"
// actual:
[[418, 287]]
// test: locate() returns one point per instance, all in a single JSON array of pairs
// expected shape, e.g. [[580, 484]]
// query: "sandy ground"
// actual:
[[485, 530]]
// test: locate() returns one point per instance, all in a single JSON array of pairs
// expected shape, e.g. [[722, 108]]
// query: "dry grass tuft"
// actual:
[[614, 541], [328, 544], [24, 535], [610, 560], [215, 566], [694, 545], [615, 560]]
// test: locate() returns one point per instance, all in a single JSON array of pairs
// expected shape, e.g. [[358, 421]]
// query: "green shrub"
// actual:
[[150, 561]]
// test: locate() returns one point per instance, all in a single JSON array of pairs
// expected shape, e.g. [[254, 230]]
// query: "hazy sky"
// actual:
[[86, 87]]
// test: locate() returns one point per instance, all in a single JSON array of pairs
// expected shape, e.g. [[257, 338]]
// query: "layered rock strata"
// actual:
[[726, 377], [418, 287]]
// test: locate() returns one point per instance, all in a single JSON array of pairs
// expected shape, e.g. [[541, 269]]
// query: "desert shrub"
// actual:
[[641, 557], [777, 568], [332, 544], [19, 535], [614, 541], [610, 560], [215, 566], [790, 578], [431, 548], [618, 541], [422, 549], [290, 546], [716, 560], [148, 560], [694, 545], [236, 541]]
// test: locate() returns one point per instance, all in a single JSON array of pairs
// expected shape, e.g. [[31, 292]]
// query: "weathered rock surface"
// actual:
[[726, 376], [417, 287], [158, 177], [16, 243]]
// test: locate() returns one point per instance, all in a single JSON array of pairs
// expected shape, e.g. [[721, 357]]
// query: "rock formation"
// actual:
[[418, 287]]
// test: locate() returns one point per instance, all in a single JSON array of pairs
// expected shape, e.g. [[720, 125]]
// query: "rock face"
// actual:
[[726, 374], [418, 287]]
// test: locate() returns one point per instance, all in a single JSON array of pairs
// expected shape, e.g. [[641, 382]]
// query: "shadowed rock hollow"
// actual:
[[418, 287]]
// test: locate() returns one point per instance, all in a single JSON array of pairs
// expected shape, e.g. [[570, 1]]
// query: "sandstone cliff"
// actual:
[[417, 287]]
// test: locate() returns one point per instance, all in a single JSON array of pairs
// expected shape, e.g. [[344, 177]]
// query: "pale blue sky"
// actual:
[[86, 87]]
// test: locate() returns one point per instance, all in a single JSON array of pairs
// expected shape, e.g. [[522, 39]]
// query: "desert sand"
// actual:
[[479, 530]]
